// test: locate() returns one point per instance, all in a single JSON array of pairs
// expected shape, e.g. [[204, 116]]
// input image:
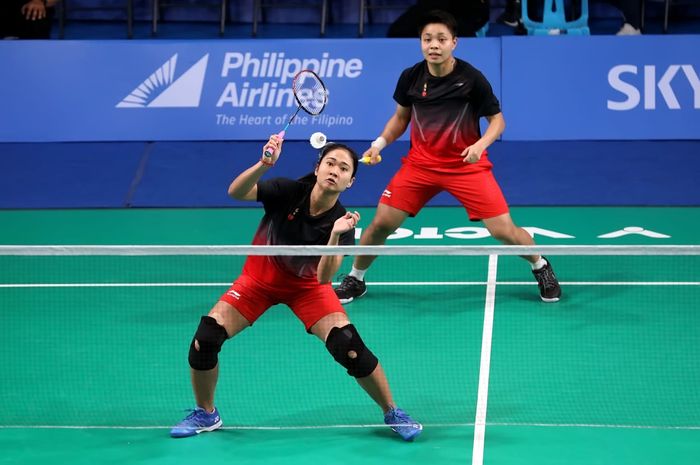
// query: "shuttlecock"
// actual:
[[318, 140]]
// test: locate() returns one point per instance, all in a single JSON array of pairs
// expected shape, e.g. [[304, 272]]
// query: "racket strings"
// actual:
[[310, 92]]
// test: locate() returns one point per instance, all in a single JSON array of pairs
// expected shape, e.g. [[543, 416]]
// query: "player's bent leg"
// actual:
[[222, 322], [347, 348], [377, 386], [386, 220], [203, 359], [504, 230]]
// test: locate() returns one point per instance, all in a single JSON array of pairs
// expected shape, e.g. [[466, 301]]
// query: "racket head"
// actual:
[[310, 92]]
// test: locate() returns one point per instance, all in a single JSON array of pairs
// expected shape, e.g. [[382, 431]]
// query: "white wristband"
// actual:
[[379, 143]]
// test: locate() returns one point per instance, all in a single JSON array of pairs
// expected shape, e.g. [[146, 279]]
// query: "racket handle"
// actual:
[[268, 153], [366, 160]]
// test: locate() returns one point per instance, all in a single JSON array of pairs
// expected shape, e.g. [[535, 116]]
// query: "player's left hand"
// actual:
[[33, 10], [346, 222], [472, 154]]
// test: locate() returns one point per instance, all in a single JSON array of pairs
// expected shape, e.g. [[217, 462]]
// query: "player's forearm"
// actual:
[[328, 267], [497, 125], [241, 187], [329, 264], [394, 128]]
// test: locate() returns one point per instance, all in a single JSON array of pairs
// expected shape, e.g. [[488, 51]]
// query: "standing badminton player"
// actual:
[[443, 98], [303, 212]]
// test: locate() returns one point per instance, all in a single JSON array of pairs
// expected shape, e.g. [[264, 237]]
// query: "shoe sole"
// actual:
[[213, 427], [347, 301], [549, 300]]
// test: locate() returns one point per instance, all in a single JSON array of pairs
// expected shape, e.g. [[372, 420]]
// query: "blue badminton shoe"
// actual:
[[402, 424], [196, 422]]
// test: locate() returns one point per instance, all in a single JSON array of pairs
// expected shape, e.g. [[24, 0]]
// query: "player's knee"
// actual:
[[347, 348], [379, 229], [210, 336]]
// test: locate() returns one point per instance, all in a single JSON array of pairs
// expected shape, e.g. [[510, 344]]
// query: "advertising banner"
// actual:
[[601, 87], [205, 90]]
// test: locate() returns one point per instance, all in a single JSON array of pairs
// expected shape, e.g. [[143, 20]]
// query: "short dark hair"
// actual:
[[438, 17]]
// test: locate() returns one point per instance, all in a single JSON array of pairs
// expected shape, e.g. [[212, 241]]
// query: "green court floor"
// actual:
[[95, 361]]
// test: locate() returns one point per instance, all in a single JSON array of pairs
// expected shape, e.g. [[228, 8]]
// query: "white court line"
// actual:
[[371, 284], [378, 425], [485, 366]]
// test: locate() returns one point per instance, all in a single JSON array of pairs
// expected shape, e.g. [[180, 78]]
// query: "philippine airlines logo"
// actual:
[[162, 90]]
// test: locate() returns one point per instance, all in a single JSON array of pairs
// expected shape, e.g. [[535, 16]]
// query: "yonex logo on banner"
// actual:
[[162, 90]]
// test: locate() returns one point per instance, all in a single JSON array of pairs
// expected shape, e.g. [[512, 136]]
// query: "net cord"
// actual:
[[315, 250]]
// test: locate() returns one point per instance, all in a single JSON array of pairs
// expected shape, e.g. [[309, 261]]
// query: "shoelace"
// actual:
[[194, 414], [348, 282], [399, 417], [548, 279]]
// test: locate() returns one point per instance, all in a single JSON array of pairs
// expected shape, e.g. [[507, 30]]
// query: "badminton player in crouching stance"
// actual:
[[302, 212]]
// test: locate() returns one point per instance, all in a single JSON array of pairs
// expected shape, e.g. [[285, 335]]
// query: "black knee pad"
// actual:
[[211, 336], [347, 348]]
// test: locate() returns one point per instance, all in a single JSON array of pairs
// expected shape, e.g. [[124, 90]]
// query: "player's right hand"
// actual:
[[346, 222], [272, 150], [371, 154]]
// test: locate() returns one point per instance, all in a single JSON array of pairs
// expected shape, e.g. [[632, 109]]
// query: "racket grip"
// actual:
[[366, 160], [268, 153]]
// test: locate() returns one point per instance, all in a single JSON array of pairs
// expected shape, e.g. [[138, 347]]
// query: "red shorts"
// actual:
[[477, 190], [309, 300]]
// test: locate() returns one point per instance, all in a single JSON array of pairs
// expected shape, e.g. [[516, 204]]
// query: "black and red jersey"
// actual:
[[445, 113], [287, 221]]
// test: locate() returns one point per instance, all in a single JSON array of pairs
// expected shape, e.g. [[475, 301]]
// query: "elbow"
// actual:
[[236, 193], [502, 122]]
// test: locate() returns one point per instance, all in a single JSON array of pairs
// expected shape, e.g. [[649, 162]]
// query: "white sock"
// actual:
[[358, 274], [538, 264]]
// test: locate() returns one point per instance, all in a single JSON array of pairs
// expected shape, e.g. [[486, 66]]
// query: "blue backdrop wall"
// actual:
[[590, 121]]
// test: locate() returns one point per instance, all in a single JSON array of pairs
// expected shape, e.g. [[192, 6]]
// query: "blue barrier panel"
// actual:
[[597, 88], [204, 90]]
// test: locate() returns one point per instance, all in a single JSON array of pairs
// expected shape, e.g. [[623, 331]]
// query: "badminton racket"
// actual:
[[311, 95]]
